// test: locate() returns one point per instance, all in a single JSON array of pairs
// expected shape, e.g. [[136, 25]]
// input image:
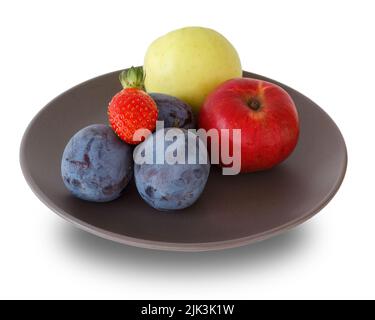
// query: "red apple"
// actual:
[[264, 112]]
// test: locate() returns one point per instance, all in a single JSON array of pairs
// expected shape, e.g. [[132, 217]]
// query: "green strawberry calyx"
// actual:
[[133, 77]]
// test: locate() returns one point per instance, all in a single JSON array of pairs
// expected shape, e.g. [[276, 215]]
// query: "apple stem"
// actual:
[[254, 104]]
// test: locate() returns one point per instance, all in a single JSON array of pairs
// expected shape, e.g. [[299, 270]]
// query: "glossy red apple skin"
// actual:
[[264, 112]]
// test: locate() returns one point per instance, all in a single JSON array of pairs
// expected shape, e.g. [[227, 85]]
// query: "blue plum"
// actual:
[[166, 186], [173, 111], [96, 165]]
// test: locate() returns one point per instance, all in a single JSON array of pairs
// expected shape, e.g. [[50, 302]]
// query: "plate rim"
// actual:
[[176, 246]]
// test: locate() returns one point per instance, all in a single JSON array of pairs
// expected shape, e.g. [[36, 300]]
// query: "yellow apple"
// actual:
[[189, 63]]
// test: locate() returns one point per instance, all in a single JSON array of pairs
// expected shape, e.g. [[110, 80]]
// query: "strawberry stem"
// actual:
[[132, 78]]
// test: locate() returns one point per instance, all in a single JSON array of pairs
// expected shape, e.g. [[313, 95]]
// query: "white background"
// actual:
[[324, 49]]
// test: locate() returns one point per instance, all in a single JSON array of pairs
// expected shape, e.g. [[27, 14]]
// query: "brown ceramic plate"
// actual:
[[233, 210]]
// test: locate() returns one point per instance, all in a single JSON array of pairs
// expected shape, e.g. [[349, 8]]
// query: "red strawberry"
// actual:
[[132, 108]]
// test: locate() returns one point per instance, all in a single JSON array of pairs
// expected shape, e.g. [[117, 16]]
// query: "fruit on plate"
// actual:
[[96, 165], [189, 63], [167, 186], [132, 108], [173, 111], [264, 112]]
